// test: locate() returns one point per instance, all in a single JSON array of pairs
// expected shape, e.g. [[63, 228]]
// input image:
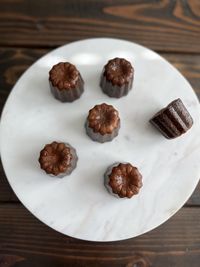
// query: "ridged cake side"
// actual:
[[115, 90], [68, 95], [98, 137], [174, 120]]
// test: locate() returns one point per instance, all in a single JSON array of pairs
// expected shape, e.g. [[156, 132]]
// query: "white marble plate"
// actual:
[[79, 205]]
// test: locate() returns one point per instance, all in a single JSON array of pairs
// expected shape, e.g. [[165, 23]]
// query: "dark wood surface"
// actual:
[[31, 243], [28, 30], [162, 25]]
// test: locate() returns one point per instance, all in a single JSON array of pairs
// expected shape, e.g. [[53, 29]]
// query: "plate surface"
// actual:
[[79, 205]]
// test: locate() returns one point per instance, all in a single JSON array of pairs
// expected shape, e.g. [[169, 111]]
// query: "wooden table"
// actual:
[[28, 30]]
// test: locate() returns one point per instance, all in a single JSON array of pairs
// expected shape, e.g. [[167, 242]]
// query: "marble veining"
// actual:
[[79, 205]]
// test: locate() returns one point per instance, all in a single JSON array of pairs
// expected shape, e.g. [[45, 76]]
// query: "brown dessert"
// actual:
[[117, 77], [58, 159], [66, 83], [103, 123], [174, 120], [123, 180]]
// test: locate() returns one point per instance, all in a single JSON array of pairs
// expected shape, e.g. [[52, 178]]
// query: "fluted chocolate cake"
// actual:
[[117, 77], [102, 123], [123, 180], [66, 83], [58, 159], [174, 120]]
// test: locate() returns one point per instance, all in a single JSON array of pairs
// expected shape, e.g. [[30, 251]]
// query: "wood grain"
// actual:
[[13, 62], [162, 25], [6, 192], [30, 243]]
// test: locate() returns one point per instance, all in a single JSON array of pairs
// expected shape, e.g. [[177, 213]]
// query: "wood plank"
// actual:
[[13, 62], [163, 25], [6, 192], [27, 242], [189, 66]]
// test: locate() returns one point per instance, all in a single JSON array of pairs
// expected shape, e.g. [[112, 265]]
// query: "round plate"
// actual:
[[79, 205]]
